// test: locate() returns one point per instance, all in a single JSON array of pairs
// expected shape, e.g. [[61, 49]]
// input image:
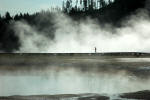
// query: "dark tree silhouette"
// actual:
[[109, 1], [16, 17], [102, 3], [8, 18]]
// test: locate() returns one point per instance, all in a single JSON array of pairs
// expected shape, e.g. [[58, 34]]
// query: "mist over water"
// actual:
[[74, 77], [79, 75]]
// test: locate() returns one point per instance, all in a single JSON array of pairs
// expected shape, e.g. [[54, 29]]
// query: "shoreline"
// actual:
[[144, 95], [103, 54]]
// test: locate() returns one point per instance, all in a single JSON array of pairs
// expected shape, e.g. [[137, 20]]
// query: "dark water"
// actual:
[[83, 77]]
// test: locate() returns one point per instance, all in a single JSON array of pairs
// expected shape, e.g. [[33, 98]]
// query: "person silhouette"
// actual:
[[95, 50]]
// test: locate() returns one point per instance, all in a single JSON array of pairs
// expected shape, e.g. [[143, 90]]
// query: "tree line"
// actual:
[[9, 41], [110, 11], [84, 5]]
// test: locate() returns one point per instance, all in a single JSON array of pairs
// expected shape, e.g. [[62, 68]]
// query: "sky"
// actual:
[[24, 6]]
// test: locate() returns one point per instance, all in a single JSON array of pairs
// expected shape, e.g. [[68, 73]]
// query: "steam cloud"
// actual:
[[56, 80], [81, 37]]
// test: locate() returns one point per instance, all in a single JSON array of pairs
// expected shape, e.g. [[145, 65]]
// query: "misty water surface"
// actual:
[[73, 75]]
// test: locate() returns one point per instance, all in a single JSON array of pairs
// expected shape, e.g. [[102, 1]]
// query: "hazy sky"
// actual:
[[31, 6]]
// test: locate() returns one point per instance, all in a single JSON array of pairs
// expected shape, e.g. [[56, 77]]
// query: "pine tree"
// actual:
[[0, 17], [109, 1], [85, 4], [91, 4], [102, 3], [68, 5], [7, 16], [16, 17]]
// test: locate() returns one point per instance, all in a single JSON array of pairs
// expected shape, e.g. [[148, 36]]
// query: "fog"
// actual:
[[81, 37], [74, 77], [71, 82]]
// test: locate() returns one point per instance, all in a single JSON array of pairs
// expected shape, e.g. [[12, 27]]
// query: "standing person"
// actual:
[[95, 50]]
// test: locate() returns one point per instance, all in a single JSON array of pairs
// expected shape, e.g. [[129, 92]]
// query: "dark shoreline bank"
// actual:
[[124, 54], [140, 95]]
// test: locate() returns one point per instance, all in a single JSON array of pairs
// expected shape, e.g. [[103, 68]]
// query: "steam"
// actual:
[[71, 80], [78, 37], [81, 37]]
